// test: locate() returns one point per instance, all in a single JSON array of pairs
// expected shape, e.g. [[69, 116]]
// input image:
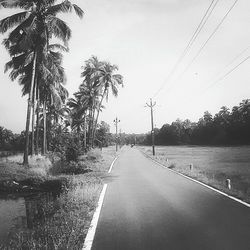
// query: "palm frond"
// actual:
[[59, 29], [78, 10], [57, 46], [65, 7], [8, 66], [12, 21]]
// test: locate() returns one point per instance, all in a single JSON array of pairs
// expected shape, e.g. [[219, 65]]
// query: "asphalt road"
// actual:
[[149, 207]]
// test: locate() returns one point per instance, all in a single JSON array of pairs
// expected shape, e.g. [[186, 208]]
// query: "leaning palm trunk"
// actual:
[[44, 128], [33, 121], [97, 116], [26, 151]]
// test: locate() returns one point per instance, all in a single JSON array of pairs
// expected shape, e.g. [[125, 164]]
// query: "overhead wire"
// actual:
[[205, 43], [218, 73], [229, 72], [202, 23], [214, 82]]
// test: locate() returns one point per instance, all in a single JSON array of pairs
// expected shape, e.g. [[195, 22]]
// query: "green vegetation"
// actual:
[[61, 133], [36, 63], [63, 222], [225, 128]]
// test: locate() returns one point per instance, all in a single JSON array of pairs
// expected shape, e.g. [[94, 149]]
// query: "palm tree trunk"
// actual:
[[89, 126], [85, 133], [44, 128], [37, 124], [26, 151], [33, 121], [92, 125], [98, 112]]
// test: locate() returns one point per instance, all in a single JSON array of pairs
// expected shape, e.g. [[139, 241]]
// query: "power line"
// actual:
[[191, 42], [229, 72], [206, 42], [211, 35], [230, 63]]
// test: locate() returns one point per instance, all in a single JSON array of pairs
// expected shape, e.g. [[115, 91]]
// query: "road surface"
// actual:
[[147, 207]]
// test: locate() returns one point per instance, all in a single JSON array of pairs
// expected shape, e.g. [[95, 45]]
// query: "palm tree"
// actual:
[[78, 116], [33, 28], [108, 80], [88, 94]]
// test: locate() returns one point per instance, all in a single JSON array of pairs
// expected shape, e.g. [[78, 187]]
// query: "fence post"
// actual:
[[228, 183]]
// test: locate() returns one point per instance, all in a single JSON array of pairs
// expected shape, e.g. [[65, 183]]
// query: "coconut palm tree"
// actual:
[[107, 80], [33, 28], [89, 95], [50, 75]]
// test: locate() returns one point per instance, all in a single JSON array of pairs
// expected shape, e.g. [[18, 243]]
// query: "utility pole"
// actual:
[[151, 105], [116, 130]]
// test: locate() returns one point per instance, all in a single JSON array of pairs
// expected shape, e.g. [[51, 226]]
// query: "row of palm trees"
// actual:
[[99, 78], [35, 61]]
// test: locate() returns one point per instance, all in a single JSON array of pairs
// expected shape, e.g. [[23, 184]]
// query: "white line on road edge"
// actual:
[[201, 183], [91, 232], [112, 164]]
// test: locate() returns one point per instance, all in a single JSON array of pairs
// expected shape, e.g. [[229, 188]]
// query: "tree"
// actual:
[[108, 80], [34, 27]]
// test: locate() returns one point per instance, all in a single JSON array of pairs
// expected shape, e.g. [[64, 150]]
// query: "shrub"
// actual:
[[172, 165], [93, 155], [76, 168], [71, 153]]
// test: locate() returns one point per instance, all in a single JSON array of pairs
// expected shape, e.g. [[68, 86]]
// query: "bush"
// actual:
[[74, 168], [72, 153], [93, 155]]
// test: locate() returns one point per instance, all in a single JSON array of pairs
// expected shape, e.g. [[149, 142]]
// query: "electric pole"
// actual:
[[151, 105], [116, 130]]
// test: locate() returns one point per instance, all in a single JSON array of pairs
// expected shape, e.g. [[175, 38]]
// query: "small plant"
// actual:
[[172, 166]]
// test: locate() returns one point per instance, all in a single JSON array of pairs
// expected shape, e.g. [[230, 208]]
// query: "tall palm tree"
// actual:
[[88, 94], [33, 28], [107, 80], [78, 116]]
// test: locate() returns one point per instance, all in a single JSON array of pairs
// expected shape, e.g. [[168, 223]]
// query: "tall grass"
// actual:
[[67, 219]]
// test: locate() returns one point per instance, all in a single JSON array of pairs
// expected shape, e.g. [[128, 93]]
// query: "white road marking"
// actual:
[[93, 225], [201, 183], [112, 164], [91, 232]]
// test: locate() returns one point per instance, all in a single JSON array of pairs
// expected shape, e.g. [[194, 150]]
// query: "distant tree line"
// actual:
[[224, 128]]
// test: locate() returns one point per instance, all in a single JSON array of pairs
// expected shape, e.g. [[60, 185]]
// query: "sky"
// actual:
[[145, 38]]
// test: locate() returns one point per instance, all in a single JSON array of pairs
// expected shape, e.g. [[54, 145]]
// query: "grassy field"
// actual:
[[67, 218], [210, 165]]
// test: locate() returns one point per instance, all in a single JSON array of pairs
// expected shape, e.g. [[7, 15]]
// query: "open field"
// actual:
[[58, 222], [210, 165]]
